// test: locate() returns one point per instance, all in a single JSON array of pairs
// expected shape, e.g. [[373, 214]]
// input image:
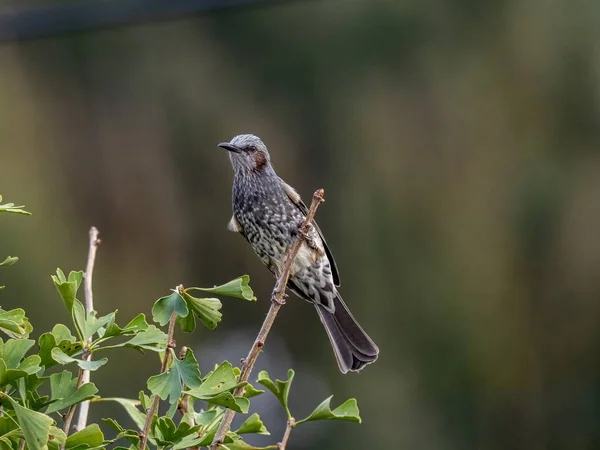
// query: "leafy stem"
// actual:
[[71, 411], [163, 369]]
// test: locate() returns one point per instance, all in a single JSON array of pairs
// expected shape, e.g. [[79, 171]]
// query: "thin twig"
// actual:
[[288, 430], [84, 375], [89, 307], [163, 369], [22, 444], [277, 300]]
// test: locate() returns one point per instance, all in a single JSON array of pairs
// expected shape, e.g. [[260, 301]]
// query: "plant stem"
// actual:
[[277, 300], [89, 306], [84, 375], [163, 368], [71, 411], [286, 435]]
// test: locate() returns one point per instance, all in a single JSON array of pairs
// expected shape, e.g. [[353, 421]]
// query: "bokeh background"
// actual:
[[458, 144]]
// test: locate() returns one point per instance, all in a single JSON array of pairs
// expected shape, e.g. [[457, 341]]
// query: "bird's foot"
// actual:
[[307, 237], [280, 298]]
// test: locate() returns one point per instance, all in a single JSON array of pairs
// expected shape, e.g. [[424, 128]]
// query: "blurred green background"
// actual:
[[458, 144]]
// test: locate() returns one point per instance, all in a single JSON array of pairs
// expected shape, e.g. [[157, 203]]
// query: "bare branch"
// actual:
[[277, 300], [163, 369], [89, 306], [84, 375], [288, 430]]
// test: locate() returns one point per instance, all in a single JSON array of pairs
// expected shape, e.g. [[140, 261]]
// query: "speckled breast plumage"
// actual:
[[270, 222]]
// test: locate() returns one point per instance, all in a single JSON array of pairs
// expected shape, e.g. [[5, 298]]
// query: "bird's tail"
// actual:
[[352, 347]]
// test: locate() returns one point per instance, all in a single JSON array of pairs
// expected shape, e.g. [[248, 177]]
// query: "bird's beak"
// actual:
[[227, 146]]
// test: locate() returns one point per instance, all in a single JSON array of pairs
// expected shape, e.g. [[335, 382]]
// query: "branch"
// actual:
[[163, 369], [89, 306], [71, 411], [84, 375], [277, 300], [288, 429]]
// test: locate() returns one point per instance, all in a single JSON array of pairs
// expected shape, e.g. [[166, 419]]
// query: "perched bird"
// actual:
[[269, 213]]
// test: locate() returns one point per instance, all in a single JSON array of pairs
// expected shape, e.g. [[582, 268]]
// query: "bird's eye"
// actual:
[[252, 148]]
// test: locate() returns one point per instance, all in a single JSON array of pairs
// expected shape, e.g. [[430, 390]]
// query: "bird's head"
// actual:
[[247, 153]]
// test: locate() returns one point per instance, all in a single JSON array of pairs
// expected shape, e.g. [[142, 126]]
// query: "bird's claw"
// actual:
[[280, 298], [307, 238]]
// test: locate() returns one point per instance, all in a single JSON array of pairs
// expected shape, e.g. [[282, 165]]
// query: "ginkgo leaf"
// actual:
[[346, 411], [280, 389]]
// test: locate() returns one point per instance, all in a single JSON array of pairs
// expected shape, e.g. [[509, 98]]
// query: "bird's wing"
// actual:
[[296, 200]]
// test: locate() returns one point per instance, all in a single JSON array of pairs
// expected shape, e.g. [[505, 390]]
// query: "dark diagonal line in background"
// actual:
[[83, 15]]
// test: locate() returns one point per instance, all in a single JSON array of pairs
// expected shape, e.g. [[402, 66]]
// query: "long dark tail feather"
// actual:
[[353, 348]]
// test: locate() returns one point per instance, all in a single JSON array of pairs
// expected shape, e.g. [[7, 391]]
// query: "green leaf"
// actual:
[[10, 433], [31, 364], [11, 208], [63, 393], [91, 436], [204, 418], [188, 369], [152, 339], [238, 288], [132, 436], [226, 399], [27, 387], [67, 288], [187, 323], [209, 429], [62, 358], [14, 323], [191, 441], [131, 407], [9, 375], [145, 401], [89, 324], [136, 325], [57, 438], [281, 389], [250, 391], [216, 386], [9, 261], [234, 442], [221, 379], [35, 426], [167, 433], [59, 337], [346, 411], [164, 308], [253, 424], [207, 310], [13, 351], [12, 364], [169, 383]]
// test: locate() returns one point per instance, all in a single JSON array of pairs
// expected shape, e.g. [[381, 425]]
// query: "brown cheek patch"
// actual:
[[260, 161]]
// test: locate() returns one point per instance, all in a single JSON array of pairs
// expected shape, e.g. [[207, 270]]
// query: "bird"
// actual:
[[268, 213]]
